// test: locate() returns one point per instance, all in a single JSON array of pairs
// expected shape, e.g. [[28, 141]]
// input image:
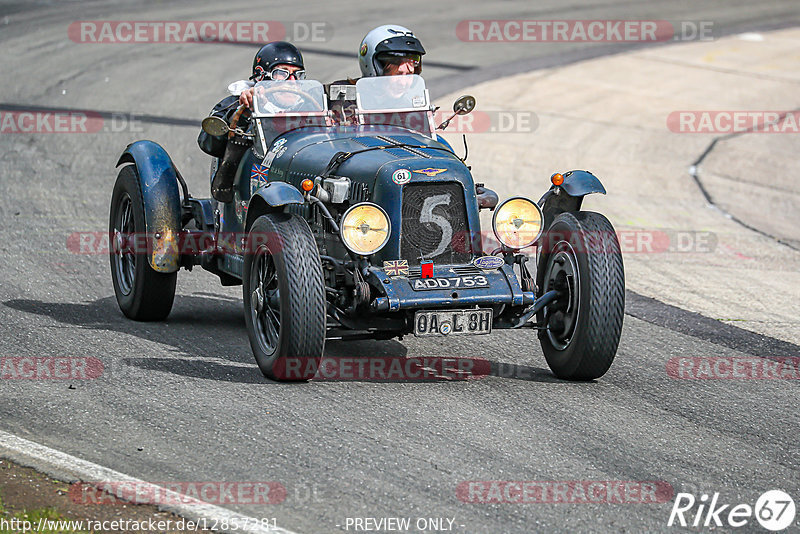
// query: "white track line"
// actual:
[[66, 467]]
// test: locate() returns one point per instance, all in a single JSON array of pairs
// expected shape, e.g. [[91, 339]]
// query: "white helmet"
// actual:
[[385, 42]]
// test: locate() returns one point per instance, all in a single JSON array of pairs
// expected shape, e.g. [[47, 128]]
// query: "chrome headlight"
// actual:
[[365, 228], [518, 222]]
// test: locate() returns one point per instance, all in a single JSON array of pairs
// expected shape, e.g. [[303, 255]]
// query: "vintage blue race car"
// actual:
[[351, 218]]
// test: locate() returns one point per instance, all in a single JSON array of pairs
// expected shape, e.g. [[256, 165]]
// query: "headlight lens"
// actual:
[[365, 228], [517, 222]]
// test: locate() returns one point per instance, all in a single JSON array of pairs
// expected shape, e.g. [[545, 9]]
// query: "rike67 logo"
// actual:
[[774, 510]]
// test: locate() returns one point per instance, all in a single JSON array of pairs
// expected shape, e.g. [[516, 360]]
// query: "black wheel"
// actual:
[[284, 297], [581, 258], [143, 294]]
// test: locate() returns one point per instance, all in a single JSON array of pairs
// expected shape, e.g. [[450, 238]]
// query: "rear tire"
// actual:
[[143, 294], [581, 257], [284, 297]]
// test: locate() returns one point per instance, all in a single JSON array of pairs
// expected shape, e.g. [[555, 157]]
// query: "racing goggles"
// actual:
[[281, 74], [398, 58]]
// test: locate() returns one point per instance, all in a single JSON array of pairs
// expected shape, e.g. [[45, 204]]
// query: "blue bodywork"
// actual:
[[503, 289], [306, 155], [370, 157], [373, 155], [158, 184]]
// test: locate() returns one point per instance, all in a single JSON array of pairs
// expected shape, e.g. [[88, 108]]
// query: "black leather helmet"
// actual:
[[275, 53]]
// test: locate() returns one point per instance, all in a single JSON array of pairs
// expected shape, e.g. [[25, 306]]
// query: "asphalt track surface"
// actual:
[[183, 400]]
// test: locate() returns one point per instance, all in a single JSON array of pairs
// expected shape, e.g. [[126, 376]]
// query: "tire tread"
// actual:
[[153, 293], [303, 332], [592, 351]]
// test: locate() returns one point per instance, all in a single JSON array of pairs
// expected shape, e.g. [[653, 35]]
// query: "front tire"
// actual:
[[143, 294], [581, 258], [284, 297]]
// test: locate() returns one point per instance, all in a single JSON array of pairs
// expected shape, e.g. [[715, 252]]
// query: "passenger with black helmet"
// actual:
[[278, 60]]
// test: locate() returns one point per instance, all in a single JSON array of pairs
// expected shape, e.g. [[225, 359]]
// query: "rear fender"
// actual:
[[158, 184], [273, 197]]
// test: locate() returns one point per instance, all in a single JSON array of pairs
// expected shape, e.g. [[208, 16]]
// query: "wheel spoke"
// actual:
[[269, 276], [124, 257], [267, 319], [273, 325], [271, 281]]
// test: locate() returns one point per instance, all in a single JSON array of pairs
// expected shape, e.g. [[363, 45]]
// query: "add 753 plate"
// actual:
[[453, 282]]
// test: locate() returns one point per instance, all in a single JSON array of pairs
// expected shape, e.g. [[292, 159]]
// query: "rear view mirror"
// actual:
[[463, 105], [215, 126]]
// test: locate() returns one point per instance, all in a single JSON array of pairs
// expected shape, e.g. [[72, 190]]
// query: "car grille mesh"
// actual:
[[434, 224]]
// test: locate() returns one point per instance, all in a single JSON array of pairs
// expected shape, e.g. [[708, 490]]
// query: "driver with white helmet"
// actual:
[[390, 50], [387, 50]]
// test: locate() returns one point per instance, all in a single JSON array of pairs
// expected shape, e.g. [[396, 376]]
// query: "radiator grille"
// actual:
[[434, 224]]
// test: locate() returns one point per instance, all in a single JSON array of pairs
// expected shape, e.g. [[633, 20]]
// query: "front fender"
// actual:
[[580, 183], [569, 195], [274, 196], [158, 184]]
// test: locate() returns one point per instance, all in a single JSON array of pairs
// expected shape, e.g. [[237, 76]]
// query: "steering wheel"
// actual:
[[289, 89]]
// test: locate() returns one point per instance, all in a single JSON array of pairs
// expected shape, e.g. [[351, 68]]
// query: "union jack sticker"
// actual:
[[396, 267], [258, 177]]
